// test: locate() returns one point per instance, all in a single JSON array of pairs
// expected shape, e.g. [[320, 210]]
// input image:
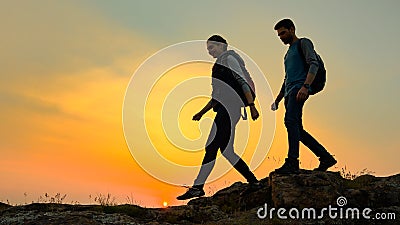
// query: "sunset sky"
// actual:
[[67, 65]]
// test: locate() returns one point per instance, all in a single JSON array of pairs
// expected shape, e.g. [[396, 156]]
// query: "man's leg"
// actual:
[[293, 123], [325, 158], [313, 144]]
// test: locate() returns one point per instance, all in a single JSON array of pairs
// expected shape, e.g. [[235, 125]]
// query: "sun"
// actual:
[[165, 204]]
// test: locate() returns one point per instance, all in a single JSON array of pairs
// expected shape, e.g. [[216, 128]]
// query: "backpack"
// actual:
[[320, 78], [246, 77]]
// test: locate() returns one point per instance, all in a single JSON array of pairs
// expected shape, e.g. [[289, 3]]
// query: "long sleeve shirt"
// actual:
[[234, 65], [295, 67]]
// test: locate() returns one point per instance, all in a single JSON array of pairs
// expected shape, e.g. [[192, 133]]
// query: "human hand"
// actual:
[[254, 112], [197, 116], [302, 95], [274, 106]]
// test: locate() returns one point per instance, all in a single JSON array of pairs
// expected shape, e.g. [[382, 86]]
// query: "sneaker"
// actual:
[[325, 163], [291, 166], [191, 193]]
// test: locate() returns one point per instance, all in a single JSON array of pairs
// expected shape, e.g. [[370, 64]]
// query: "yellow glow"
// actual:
[[62, 105], [187, 127]]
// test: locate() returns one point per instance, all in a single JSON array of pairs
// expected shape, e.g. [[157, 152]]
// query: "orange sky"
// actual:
[[64, 80]]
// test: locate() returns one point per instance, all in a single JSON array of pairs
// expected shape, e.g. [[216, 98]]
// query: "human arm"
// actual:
[[238, 74], [311, 59], [279, 98], [253, 109], [205, 109]]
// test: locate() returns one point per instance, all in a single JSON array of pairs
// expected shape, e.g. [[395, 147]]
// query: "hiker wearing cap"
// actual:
[[232, 89]]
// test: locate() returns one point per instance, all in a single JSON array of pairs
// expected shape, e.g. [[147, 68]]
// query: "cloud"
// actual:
[[42, 38], [58, 58], [15, 101], [64, 69]]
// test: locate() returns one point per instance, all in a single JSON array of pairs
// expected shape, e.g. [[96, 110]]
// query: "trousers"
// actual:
[[294, 126], [221, 137]]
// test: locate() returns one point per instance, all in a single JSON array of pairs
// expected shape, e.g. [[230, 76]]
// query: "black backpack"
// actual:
[[247, 78], [320, 78]]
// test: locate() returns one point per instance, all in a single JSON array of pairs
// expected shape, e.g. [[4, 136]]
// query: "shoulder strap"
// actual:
[[246, 73], [301, 51]]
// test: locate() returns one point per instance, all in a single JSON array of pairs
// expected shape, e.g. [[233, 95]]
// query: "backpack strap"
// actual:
[[320, 77], [246, 77], [300, 49], [302, 54], [246, 74]]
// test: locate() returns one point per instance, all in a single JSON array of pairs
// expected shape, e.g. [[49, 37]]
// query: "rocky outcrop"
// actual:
[[240, 204], [307, 189]]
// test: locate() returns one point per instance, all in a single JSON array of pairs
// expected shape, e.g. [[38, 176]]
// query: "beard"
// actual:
[[287, 40]]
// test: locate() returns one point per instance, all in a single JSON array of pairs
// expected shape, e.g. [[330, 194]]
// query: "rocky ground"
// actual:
[[285, 195]]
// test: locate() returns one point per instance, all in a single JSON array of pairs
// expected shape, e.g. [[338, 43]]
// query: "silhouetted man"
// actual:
[[295, 90]]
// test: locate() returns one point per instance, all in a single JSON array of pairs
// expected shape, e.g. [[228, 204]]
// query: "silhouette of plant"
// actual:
[[57, 198], [347, 174], [105, 200]]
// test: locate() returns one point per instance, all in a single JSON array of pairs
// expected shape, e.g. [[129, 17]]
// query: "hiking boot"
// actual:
[[291, 166], [191, 193], [325, 163]]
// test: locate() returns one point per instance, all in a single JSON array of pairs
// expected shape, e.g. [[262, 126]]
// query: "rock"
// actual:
[[4, 206], [307, 189], [239, 204], [370, 191], [41, 213], [237, 197]]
